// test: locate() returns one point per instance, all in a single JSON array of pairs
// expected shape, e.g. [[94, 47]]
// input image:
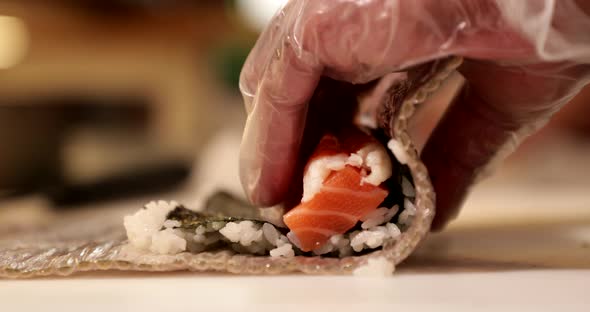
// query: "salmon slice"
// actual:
[[342, 199]]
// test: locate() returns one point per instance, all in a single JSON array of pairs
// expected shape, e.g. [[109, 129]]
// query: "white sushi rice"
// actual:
[[144, 228], [170, 224], [398, 151], [257, 239], [406, 216], [285, 250], [202, 237], [335, 243], [244, 232], [373, 237], [379, 216], [375, 267], [375, 159], [168, 241]]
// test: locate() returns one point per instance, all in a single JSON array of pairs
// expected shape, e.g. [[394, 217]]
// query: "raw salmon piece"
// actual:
[[341, 201]]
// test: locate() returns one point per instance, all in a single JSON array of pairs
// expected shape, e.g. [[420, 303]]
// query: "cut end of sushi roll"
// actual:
[[347, 180], [342, 201], [342, 185]]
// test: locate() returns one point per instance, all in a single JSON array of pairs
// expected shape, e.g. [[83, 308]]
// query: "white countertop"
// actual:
[[538, 290]]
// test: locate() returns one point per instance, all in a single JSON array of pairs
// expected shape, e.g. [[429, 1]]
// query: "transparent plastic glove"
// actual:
[[525, 59]]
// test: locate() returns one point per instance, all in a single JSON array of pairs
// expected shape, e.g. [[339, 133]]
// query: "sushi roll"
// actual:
[[366, 195], [343, 185], [366, 203]]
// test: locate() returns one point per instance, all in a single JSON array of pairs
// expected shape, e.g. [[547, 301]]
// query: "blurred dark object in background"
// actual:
[[34, 138], [30, 138], [136, 182], [103, 99]]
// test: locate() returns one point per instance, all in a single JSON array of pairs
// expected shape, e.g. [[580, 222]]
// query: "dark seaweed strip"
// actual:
[[221, 206], [190, 219], [225, 204]]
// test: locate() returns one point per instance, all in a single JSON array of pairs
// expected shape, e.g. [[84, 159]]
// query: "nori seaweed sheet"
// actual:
[[221, 206], [190, 219], [225, 204]]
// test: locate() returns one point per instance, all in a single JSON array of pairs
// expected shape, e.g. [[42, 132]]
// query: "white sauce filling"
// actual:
[[373, 157]]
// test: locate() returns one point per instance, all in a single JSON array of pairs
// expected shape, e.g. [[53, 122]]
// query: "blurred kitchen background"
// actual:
[[112, 98], [106, 104], [105, 100]]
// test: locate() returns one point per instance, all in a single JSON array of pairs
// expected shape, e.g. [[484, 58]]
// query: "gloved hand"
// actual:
[[525, 59]]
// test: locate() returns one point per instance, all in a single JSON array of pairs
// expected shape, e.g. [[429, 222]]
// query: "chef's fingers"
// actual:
[[277, 84], [498, 107], [305, 40]]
